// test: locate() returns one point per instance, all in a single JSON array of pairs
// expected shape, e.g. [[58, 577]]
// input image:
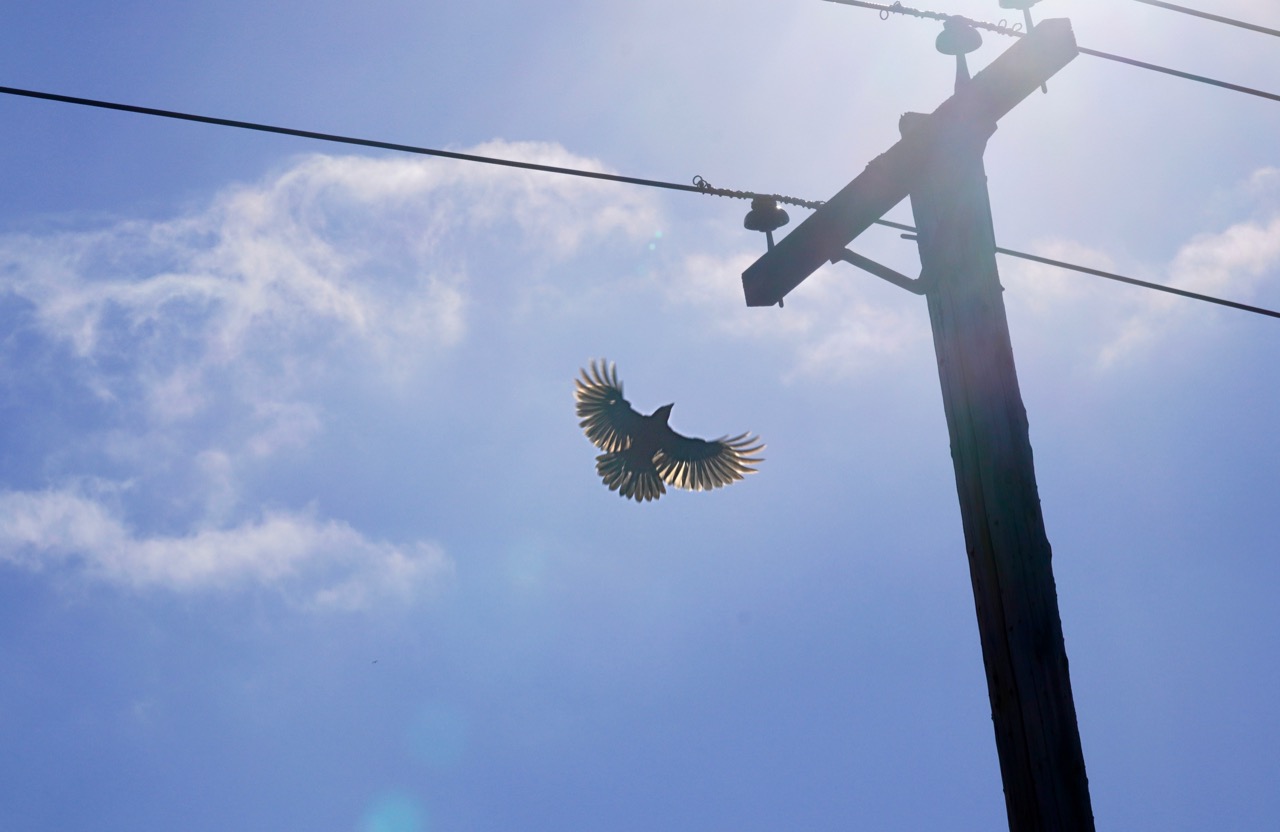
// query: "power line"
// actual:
[[897, 8], [1226, 85], [700, 185], [331, 137], [1133, 281], [1214, 17], [1015, 31]]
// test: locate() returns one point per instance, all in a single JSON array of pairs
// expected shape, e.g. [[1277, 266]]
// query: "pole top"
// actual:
[[887, 180]]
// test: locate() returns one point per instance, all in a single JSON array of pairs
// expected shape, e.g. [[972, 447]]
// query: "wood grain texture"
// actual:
[[1010, 560]]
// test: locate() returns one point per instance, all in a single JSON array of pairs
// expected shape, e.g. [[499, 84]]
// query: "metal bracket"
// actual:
[[916, 286]]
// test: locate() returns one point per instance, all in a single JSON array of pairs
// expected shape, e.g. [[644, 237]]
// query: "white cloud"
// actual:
[[286, 425], [832, 329], [216, 345], [1230, 262], [334, 254], [1105, 324], [324, 564]]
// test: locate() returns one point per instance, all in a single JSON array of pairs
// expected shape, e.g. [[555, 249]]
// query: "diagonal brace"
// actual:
[[916, 286]]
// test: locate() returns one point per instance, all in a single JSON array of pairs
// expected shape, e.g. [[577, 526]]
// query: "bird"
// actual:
[[642, 454]]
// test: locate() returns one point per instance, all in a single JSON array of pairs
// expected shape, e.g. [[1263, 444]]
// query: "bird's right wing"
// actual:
[[607, 418], [701, 465]]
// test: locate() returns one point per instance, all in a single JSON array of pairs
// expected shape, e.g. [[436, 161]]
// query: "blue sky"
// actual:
[[297, 527]]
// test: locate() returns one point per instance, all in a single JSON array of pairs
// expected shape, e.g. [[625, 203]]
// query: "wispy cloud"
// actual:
[[1108, 325], [324, 564], [189, 350], [333, 253], [833, 329], [1232, 261], [1229, 264]]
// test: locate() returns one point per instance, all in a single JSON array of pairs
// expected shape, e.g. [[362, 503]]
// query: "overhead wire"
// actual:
[[1133, 281], [1216, 18], [1159, 287], [1190, 76], [351, 140], [1015, 31], [699, 185]]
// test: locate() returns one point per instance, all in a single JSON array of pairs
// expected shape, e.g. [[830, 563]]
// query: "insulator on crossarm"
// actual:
[[959, 38], [766, 216]]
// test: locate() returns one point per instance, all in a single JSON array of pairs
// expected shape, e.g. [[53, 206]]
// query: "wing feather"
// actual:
[[701, 465], [607, 418]]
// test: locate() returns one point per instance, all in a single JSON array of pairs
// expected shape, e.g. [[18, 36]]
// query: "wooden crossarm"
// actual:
[[888, 179]]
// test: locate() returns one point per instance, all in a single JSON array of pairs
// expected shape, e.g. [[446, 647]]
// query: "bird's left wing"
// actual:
[[701, 465], [607, 418]]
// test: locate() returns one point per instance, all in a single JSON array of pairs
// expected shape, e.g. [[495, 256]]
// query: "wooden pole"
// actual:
[[1037, 739], [938, 163]]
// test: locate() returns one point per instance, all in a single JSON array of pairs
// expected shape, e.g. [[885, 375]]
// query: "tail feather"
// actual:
[[638, 484]]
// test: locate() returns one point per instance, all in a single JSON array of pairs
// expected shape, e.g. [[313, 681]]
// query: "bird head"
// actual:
[[663, 413]]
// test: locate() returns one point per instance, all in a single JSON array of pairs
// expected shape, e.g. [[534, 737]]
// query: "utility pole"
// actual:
[[938, 164], [1041, 760]]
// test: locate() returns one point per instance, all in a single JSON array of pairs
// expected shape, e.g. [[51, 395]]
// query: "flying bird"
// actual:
[[641, 453]]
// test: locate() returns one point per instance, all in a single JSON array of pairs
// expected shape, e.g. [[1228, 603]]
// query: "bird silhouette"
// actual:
[[642, 454]]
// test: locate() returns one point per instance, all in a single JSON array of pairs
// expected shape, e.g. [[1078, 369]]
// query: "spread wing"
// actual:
[[701, 465], [607, 418]]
